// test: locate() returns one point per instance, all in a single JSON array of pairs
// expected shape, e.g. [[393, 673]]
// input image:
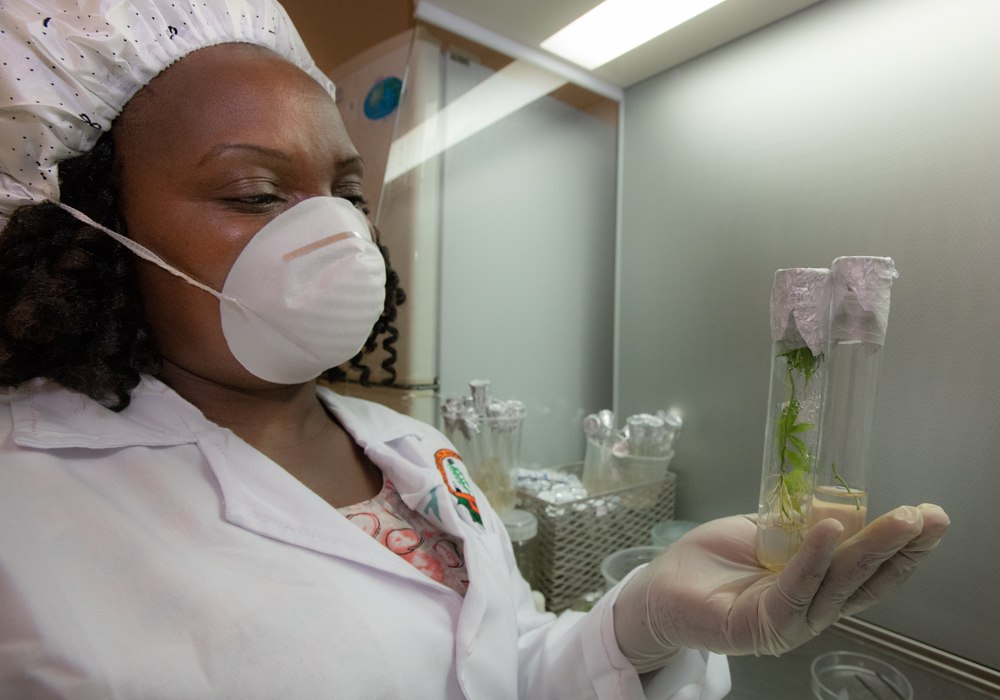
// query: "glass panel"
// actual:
[[498, 207]]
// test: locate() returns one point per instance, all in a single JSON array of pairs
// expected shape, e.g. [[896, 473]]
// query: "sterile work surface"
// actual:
[[787, 677]]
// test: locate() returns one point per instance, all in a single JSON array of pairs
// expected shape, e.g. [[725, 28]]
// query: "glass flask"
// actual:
[[800, 324], [487, 434], [496, 472], [859, 317]]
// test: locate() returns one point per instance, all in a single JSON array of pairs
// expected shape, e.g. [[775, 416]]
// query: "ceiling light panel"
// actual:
[[615, 27]]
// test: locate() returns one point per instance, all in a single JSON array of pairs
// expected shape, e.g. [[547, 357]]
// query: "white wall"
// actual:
[[854, 127]]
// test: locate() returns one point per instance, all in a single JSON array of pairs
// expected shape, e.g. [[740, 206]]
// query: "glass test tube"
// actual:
[[860, 315], [496, 472], [800, 324]]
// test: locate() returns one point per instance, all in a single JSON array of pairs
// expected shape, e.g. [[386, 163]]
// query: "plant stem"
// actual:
[[839, 479]]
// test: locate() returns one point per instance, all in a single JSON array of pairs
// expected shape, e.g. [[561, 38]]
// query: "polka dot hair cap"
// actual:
[[68, 68]]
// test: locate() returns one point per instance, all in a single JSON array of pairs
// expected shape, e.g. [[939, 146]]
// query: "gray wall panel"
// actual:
[[854, 127]]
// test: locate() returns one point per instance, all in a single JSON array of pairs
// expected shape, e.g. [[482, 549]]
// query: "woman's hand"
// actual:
[[707, 591]]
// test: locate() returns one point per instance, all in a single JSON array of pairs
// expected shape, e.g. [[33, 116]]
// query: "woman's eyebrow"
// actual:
[[224, 148], [354, 162]]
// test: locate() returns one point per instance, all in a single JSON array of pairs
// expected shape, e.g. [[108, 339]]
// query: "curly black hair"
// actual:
[[384, 333], [70, 308]]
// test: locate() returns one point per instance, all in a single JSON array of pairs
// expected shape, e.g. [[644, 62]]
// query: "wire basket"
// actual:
[[573, 538]]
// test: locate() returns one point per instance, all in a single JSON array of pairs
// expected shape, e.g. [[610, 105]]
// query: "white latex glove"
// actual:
[[707, 590]]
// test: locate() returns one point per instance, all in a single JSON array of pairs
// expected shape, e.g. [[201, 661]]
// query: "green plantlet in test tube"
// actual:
[[794, 456], [800, 303]]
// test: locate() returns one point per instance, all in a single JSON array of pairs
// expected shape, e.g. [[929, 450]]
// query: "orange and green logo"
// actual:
[[458, 486]]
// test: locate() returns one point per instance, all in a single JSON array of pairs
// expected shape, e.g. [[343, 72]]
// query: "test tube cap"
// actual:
[[861, 297], [800, 307]]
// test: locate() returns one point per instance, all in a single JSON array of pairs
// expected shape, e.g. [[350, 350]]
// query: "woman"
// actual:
[[184, 513]]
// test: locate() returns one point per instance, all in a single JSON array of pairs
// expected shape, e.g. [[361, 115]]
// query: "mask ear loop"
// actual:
[[144, 252]]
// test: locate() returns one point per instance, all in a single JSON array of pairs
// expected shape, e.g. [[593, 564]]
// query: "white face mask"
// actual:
[[302, 296]]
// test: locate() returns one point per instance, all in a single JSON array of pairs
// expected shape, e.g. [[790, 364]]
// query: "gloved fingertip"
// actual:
[[908, 514], [935, 511], [828, 527]]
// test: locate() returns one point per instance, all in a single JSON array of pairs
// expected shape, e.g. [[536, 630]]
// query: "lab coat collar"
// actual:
[[367, 422], [48, 416]]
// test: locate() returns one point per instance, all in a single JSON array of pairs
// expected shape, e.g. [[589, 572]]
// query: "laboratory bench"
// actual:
[[788, 676]]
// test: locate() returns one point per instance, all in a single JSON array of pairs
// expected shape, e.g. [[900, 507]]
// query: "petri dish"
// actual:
[[618, 564], [848, 675]]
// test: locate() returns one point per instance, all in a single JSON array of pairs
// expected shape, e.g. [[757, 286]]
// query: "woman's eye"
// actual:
[[263, 200], [357, 201], [360, 203]]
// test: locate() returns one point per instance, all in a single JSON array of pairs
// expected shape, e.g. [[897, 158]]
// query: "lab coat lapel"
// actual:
[[423, 465], [439, 488], [486, 629], [261, 497], [432, 480]]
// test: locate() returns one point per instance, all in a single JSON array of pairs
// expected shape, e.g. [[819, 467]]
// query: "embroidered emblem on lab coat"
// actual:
[[432, 505], [448, 462]]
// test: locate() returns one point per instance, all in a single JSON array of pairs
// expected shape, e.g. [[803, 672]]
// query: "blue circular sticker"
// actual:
[[383, 98]]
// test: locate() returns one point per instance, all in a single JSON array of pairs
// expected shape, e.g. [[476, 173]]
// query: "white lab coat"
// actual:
[[152, 554]]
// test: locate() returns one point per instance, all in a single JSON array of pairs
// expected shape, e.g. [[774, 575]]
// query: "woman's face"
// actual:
[[210, 151]]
